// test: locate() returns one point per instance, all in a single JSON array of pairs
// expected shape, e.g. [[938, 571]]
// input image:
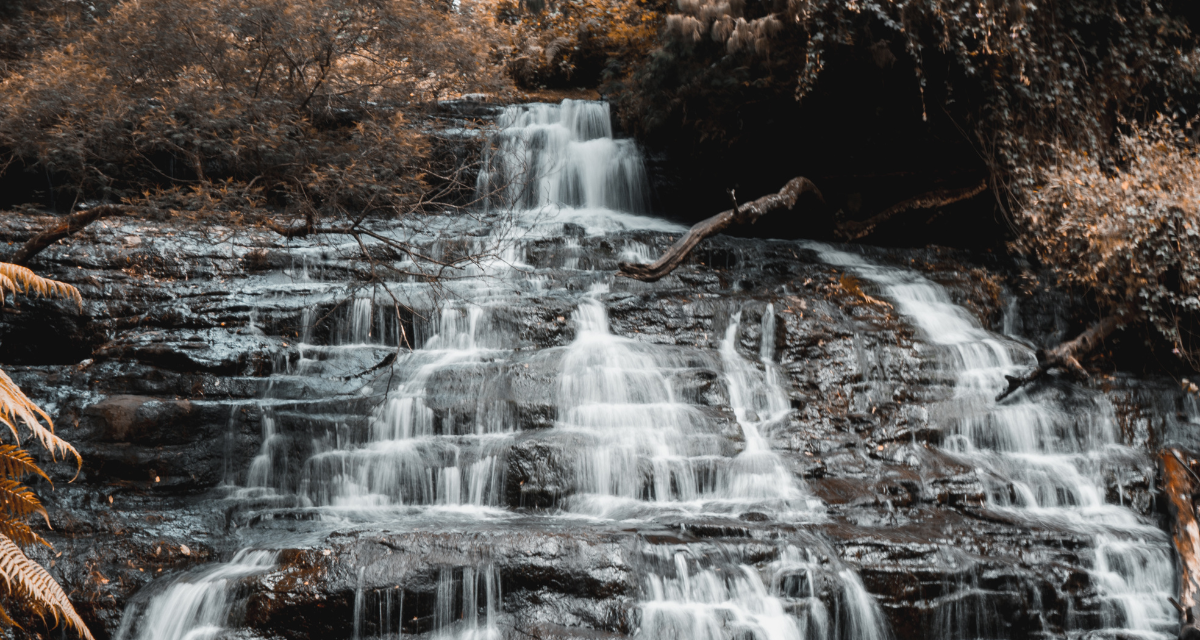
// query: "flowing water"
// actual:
[[198, 606], [1041, 452], [625, 443]]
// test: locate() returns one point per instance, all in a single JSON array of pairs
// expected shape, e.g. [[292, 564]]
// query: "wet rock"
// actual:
[[183, 328], [579, 581]]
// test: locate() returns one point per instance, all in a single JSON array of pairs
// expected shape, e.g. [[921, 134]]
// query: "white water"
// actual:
[[643, 451], [1040, 454], [690, 595], [406, 460], [197, 606], [561, 164], [467, 607]]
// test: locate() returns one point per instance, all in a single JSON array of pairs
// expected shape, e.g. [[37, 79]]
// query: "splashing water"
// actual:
[[561, 164]]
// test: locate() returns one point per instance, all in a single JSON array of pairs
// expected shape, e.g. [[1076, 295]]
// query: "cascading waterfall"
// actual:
[[690, 594], [561, 164], [424, 443], [466, 607], [758, 402], [407, 458], [1041, 451]]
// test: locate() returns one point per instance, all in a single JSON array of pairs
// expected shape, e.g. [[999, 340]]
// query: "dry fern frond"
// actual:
[[21, 533], [18, 279], [19, 502], [27, 579], [16, 407], [16, 463]]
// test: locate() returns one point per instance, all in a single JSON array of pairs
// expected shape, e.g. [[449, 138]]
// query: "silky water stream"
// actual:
[[427, 445], [1041, 452]]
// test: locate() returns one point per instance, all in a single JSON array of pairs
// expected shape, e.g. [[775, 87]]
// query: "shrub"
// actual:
[[1125, 233], [302, 102]]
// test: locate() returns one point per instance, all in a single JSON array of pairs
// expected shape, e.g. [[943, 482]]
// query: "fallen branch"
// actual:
[[67, 226], [387, 360], [853, 229], [299, 231], [1179, 483], [749, 212], [1066, 355]]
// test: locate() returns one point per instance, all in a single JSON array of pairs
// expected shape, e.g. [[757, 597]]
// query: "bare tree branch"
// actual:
[[67, 226], [749, 212], [1066, 355], [853, 229]]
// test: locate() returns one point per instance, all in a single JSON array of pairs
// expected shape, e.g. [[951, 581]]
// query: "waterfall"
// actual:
[[196, 606], [1040, 452], [642, 450], [466, 607], [758, 401], [717, 596], [559, 163], [620, 441], [407, 459]]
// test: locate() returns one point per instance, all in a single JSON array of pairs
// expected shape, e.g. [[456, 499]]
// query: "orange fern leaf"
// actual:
[[21, 533], [16, 463], [19, 502], [16, 407], [18, 279], [29, 580]]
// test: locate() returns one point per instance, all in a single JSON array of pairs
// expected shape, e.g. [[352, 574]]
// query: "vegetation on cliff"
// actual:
[[1046, 117]]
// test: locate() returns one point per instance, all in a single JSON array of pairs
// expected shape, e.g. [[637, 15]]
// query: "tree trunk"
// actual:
[[68, 226], [1066, 355], [1179, 483], [749, 212]]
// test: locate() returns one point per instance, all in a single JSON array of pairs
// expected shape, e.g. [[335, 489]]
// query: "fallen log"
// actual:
[[1180, 484], [749, 212], [1066, 355], [68, 226], [853, 230], [301, 230]]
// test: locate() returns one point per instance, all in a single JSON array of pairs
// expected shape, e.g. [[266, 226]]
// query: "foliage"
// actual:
[[1011, 73], [27, 27], [1127, 233], [571, 43], [301, 103], [22, 577]]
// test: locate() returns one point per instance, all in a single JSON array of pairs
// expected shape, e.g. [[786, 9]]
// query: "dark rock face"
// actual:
[[158, 383]]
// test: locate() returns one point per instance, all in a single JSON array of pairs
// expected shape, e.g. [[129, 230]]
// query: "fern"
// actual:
[[16, 463], [19, 501], [18, 279], [16, 407], [28, 580], [21, 533], [23, 577]]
